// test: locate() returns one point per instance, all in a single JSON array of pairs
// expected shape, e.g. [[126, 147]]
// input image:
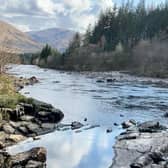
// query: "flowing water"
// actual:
[[79, 96]]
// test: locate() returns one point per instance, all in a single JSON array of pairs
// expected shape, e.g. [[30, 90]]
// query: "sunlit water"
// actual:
[[79, 96]]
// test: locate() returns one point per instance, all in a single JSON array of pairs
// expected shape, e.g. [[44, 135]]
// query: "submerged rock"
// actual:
[[100, 81], [166, 115], [76, 125], [109, 130], [109, 80], [85, 119]]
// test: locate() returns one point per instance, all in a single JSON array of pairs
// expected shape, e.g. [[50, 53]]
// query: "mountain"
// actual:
[[56, 37], [15, 41]]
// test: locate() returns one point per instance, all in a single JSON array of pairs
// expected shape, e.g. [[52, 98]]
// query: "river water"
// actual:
[[79, 96]]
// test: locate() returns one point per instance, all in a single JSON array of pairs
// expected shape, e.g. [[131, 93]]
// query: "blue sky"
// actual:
[[42, 14]]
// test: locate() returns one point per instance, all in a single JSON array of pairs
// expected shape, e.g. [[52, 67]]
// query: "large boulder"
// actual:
[[52, 116], [34, 158]]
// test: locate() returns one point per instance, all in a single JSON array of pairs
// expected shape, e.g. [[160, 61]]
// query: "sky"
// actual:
[[28, 15]]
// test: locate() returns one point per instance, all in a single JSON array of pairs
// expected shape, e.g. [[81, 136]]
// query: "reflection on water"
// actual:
[[79, 97], [91, 148]]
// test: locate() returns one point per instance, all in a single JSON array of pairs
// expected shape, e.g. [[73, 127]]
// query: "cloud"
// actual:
[[41, 14], [25, 28], [77, 5], [104, 4]]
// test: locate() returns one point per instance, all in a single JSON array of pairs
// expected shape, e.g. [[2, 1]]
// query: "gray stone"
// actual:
[[8, 129], [33, 128], [23, 130]]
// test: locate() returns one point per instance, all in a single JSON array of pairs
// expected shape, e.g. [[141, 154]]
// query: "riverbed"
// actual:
[[81, 96]]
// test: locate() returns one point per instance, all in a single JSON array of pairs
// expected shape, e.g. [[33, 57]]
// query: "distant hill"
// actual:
[[56, 37], [15, 41]]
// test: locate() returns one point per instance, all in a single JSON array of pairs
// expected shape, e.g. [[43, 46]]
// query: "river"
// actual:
[[79, 96]]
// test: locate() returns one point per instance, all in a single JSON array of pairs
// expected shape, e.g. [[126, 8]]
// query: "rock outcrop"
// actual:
[[34, 158], [26, 120], [142, 146]]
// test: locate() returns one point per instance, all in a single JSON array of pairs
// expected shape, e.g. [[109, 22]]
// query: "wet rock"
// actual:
[[76, 125], [33, 80], [121, 115], [41, 106], [109, 80], [128, 136], [78, 131], [36, 138], [166, 115], [85, 119], [100, 81], [19, 87], [109, 130], [26, 92], [115, 124], [56, 81]]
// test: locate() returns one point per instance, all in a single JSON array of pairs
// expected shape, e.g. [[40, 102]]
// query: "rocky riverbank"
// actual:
[[21, 118], [142, 146]]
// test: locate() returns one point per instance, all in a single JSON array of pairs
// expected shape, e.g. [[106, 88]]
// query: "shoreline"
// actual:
[[27, 118], [142, 146], [116, 141]]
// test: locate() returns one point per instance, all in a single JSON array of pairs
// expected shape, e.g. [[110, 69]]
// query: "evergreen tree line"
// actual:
[[128, 25], [123, 38]]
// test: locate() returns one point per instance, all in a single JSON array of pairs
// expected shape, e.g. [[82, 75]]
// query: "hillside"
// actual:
[[15, 41], [56, 37]]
